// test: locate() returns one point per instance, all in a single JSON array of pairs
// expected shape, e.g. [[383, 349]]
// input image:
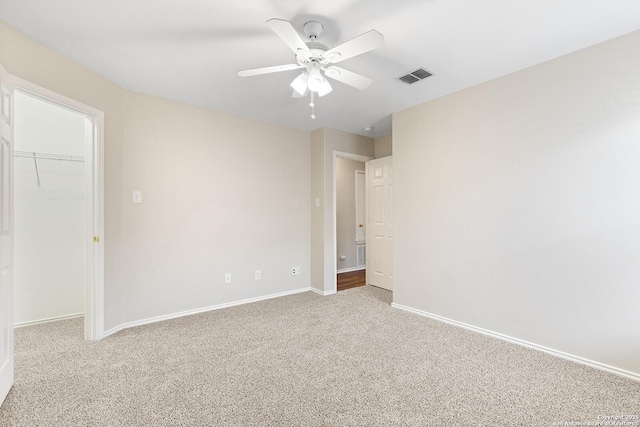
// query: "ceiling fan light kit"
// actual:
[[300, 84], [315, 80], [315, 58], [325, 88]]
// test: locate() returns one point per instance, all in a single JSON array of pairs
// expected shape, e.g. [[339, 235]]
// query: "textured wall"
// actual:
[[383, 146], [517, 206], [220, 194]]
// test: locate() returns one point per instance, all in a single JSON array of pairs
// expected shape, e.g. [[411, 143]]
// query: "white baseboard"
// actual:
[[577, 359], [50, 319], [350, 269], [323, 293], [199, 310]]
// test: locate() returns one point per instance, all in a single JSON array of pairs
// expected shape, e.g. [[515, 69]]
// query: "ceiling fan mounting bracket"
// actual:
[[313, 29]]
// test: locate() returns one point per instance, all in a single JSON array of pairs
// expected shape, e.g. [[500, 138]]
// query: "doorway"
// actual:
[[350, 223], [349, 214], [49, 211], [58, 210]]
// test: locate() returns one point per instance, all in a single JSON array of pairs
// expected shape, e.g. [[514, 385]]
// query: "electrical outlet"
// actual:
[[257, 274], [227, 278], [295, 271]]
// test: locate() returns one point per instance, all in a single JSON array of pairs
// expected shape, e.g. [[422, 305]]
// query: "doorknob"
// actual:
[[360, 225]]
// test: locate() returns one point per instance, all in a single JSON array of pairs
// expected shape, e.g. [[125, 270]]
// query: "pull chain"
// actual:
[[313, 106]]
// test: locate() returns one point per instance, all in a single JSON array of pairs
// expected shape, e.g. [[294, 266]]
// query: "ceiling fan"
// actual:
[[317, 60]]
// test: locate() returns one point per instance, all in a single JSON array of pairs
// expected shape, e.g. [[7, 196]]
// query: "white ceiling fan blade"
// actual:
[[267, 70], [289, 35], [348, 77], [359, 45]]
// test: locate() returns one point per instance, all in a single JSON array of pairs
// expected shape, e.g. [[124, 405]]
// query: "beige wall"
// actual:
[[383, 146], [346, 211], [317, 213], [517, 209], [221, 194], [29, 60]]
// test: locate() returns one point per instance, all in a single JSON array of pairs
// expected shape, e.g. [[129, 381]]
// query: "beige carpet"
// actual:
[[302, 360]]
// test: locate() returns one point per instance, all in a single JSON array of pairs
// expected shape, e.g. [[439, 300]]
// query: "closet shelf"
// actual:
[[48, 156]]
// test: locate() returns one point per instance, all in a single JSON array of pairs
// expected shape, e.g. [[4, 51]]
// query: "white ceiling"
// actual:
[[191, 50]]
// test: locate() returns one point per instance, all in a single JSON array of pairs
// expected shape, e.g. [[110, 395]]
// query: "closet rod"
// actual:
[[48, 156]]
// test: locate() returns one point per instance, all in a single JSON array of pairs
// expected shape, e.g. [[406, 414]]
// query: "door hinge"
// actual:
[[96, 239]]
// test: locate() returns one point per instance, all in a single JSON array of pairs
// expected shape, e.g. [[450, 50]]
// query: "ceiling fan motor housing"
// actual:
[[317, 54]]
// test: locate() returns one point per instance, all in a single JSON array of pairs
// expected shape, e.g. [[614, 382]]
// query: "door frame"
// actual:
[[348, 156], [94, 204], [364, 196], [362, 193], [6, 234]]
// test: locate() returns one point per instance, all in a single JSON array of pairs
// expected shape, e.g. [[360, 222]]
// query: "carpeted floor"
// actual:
[[303, 360]]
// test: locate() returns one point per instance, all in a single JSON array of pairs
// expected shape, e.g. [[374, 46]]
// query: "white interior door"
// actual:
[[6, 235], [380, 225]]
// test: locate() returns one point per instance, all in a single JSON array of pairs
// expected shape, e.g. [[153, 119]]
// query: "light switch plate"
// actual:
[[136, 197]]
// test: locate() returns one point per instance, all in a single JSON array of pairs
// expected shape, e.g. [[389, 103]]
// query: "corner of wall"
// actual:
[[383, 146], [317, 203]]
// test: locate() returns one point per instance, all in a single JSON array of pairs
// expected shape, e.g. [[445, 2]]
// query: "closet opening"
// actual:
[[57, 213]]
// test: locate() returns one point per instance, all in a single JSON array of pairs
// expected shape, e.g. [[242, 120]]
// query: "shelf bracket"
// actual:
[[35, 163]]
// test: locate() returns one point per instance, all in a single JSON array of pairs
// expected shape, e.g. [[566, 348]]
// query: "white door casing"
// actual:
[[361, 207], [6, 235], [380, 223], [94, 197]]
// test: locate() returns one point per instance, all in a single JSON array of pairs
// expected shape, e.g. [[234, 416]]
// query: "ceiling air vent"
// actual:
[[415, 76]]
